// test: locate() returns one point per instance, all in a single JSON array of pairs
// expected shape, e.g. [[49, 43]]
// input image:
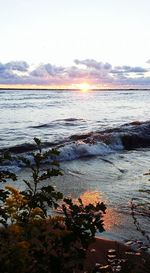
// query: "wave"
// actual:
[[126, 137], [82, 149], [62, 122], [68, 120], [43, 126], [132, 135]]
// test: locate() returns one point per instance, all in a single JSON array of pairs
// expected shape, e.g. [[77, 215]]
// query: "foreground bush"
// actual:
[[32, 240]]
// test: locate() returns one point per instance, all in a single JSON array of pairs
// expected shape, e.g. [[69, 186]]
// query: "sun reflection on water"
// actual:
[[111, 218]]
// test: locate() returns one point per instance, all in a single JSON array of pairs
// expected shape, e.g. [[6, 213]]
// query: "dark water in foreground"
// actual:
[[104, 143]]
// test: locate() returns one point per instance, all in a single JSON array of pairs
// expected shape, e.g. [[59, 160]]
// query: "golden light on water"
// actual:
[[111, 218], [91, 197]]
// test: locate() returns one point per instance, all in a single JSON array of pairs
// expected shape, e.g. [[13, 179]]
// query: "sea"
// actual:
[[104, 141]]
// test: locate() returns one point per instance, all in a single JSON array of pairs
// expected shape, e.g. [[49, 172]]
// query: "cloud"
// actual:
[[90, 63], [96, 73], [128, 69], [148, 61], [18, 65], [47, 70], [8, 72]]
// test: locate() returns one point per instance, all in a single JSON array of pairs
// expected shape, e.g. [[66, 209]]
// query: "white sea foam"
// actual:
[[81, 149]]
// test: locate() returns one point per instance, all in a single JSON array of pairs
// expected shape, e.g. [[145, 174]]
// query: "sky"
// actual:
[[69, 43]]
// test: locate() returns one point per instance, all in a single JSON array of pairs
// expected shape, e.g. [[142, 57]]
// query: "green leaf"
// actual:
[[4, 175], [4, 194], [37, 141], [54, 152]]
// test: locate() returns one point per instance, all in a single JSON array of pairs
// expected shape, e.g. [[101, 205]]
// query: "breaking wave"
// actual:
[[126, 137]]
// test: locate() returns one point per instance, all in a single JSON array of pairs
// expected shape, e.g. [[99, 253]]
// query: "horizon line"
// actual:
[[73, 89]]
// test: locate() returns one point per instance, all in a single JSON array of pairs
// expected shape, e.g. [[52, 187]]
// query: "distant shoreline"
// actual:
[[74, 89]]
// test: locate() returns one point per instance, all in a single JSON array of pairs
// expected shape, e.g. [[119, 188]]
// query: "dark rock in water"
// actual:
[[133, 141], [26, 147], [132, 135], [23, 148], [80, 137], [137, 122]]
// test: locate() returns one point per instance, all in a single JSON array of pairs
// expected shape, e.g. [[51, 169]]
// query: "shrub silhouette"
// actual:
[[31, 239]]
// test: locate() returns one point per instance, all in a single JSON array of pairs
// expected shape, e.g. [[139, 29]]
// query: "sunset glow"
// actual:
[[65, 53], [84, 87]]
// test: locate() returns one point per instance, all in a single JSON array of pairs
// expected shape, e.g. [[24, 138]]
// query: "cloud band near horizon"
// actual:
[[97, 74]]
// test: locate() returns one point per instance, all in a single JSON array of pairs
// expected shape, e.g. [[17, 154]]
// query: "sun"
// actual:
[[84, 87]]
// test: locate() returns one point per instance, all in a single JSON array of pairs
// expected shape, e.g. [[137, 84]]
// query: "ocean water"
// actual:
[[104, 143]]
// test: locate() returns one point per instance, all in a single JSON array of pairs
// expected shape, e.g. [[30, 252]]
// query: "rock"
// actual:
[[111, 251], [129, 243], [93, 250], [105, 269], [143, 248], [139, 242], [117, 268], [111, 256], [97, 265]]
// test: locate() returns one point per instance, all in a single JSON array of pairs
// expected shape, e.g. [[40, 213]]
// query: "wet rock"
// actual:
[[117, 268], [111, 256], [105, 269], [111, 251], [93, 250], [143, 248], [139, 242], [129, 243]]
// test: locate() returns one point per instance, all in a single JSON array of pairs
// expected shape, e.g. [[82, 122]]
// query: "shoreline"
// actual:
[[98, 251], [97, 255]]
